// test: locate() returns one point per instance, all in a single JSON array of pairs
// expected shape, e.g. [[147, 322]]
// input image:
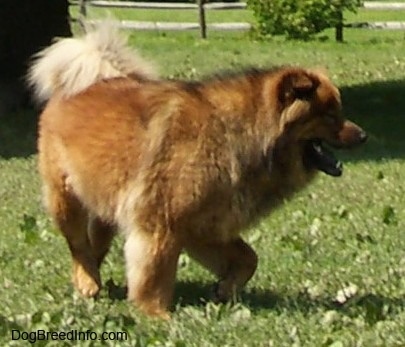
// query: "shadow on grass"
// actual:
[[116, 292], [372, 307], [18, 134], [379, 107]]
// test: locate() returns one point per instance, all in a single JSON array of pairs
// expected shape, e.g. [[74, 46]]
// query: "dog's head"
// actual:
[[311, 115]]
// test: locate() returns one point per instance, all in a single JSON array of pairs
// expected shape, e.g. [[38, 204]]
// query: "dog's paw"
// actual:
[[220, 294], [224, 292], [86, 284]]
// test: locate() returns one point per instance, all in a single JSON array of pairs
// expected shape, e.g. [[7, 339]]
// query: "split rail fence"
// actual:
[[201, 7]]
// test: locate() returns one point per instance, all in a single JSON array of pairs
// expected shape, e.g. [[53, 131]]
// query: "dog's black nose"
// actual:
[[363, 137]]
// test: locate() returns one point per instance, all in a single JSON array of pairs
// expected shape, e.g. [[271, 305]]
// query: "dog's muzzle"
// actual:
[[318, 156]]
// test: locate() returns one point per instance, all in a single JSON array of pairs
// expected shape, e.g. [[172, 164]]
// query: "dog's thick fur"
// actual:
[[71, 65], [175, 165]]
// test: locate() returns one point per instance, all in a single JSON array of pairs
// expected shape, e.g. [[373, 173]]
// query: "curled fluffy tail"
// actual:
[[71, 65]]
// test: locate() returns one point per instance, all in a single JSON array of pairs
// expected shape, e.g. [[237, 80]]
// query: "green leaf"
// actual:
[[389, 215], [29, 228]]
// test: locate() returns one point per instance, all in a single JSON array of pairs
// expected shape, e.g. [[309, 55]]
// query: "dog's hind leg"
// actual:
[[101, 234], [233, 262], [72, 219], [151, 262]]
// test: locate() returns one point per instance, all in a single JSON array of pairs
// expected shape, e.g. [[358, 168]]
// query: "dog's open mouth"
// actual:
[[317, 156]]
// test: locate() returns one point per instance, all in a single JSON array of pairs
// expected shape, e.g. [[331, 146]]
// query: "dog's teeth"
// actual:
[[318, 147]]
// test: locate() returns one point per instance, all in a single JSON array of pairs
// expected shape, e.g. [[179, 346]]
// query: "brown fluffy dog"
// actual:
[[182, 166]]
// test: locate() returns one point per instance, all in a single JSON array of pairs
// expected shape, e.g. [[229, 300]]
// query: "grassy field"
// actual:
[[332, 261]]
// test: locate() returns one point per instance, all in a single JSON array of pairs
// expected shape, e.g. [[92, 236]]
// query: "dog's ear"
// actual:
[[303, 86], [298, 84]]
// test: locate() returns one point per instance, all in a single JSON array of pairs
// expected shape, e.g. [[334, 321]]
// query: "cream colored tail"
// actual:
[[71, 65]]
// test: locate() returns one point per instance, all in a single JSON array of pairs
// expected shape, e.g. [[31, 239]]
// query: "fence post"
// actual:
[[201, 18], [82, 8], [339, 27], [82, 14]]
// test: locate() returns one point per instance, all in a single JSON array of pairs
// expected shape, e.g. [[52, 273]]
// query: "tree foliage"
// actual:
[[298, 19]]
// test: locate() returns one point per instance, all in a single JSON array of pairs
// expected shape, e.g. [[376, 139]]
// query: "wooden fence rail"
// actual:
[[202, 7], [163, 5], [377, 5]]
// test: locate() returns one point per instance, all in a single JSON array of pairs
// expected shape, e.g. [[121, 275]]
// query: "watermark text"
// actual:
[[72, 335]]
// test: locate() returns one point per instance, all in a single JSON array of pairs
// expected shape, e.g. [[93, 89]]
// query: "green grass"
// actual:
[[338, 234], [364, 15]]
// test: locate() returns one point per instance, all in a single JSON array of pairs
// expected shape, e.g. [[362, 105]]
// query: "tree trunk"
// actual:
[[26, 27], [339, 27]]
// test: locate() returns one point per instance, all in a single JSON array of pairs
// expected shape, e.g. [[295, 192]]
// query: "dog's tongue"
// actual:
[[323, 159]]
